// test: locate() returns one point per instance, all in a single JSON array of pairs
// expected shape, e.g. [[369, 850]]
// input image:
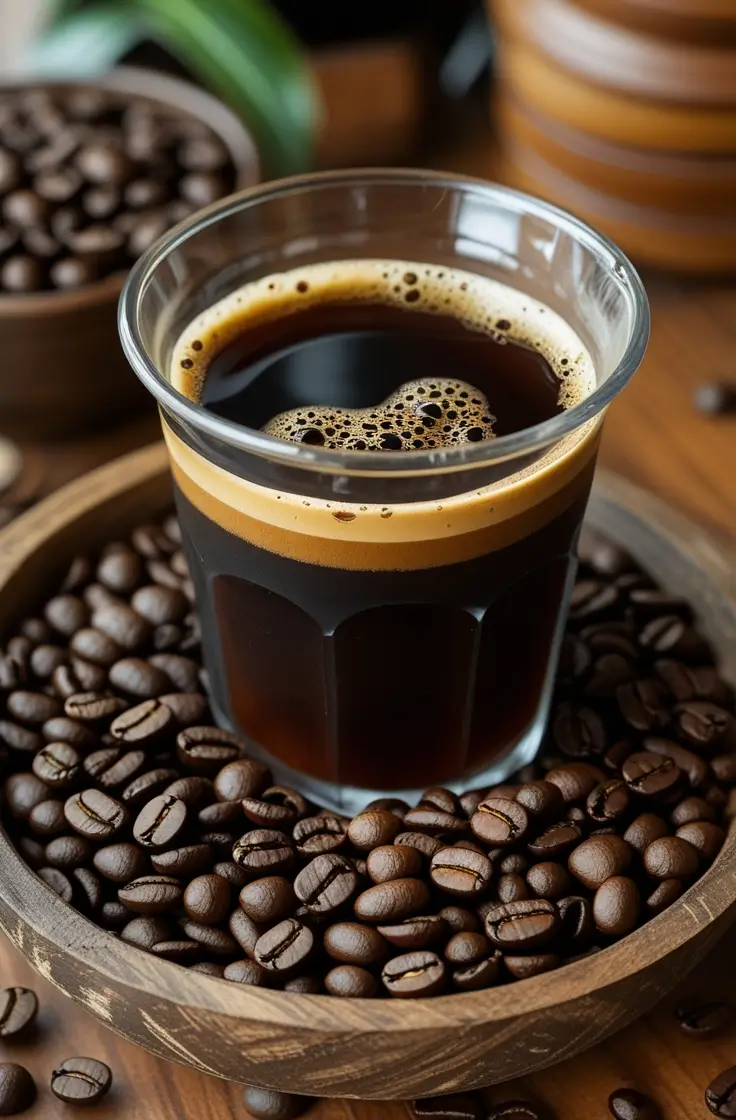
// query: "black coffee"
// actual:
[[363, 643]]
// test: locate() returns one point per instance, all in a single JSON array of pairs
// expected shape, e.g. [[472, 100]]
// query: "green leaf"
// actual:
[[244, 52], [87, 42]]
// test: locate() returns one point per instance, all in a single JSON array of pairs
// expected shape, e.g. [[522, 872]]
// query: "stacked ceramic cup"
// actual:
[[624, 111]]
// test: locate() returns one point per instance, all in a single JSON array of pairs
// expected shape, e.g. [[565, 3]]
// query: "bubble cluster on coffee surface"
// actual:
[[422, 414]]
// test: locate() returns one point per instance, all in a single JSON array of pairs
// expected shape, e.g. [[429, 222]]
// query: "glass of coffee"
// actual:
[[382, 394]]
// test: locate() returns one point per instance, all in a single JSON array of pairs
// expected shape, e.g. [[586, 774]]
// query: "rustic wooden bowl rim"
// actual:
[[67, 930], [171, 91]]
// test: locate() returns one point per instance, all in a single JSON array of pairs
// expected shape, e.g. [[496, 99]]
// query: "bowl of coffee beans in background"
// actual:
[[158, 873], [90, 176]]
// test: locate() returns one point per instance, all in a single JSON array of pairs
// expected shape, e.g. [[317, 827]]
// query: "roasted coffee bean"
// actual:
[[542, 800], [247, 972], [17, 1089], [264, 851], [207, 749], [608, 802], [236, 876], [467, 948], [671, 636], [58, 765], [145, 723], [644, 830], [81, 1081], [120, 571], [184, 673], [643, 704], [720, 1096], [22, 792], [138, 678], [276, 807], [18, 1010], [187, 861], [66, 852], [575, 780], [435, 822], [87, 890], [79, 677], [145, 932], [350, 981], [630, 1104], [187, 707], [245, 931], [208, 968], [221, 814], [427, 846], [95, 814], [21, 273], [418, 932], [695, 768], [19, 738], [548, 880], [616, 906], [327, 883], [706, 838], [93, 707], [100, 761], [180, 951], [286, 947], [461, 871], [373, 829], [688, 683], [195, 792], [453, 1107], [500, 822], [160, 605], [556, 841], [512, 888], [650, 775], [705, 725], [666, 892], [523, 967], [354, 943], [244, 778], [267, 900], [689, 810], [578, 926], [47, 818], [319, 835], [150, 784], [120, 863], [31, 851], [671, 857], [151, 894], [160, 822], [32, 708], [599, 858], [92, 645], [58, 882], [523, 925], [414, 975], [65, 730], [578, 731], [267, 1104], [393, 861], [390, 902], [704, 1020], [46, 658], [122, 771]]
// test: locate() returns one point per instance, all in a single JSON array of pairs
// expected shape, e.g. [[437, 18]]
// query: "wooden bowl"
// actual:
[[63, 369], [381, 1049]]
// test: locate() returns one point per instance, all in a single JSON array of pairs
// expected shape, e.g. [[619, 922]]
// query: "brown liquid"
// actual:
[[379, 664]]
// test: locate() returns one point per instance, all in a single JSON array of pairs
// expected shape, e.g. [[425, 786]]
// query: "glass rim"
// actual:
[[310, 457]]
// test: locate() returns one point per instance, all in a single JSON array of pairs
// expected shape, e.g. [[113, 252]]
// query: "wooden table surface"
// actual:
[[655, 438]]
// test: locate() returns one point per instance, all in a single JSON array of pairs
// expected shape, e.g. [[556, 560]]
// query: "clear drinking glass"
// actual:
[[376, 623]]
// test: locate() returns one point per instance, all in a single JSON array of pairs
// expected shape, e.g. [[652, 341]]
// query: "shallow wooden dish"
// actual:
[[361, 1048]]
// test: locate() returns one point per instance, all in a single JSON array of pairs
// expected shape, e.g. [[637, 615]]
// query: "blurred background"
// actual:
[[623, 111]]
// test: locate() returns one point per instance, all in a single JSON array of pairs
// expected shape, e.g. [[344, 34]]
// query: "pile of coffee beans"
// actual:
[[131, 805], [90, 178]]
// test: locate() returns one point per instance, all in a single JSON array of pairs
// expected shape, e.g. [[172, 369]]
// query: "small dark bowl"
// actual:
[[61, 366]]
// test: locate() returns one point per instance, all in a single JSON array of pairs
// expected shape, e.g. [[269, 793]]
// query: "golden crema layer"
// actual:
[[399, 537]]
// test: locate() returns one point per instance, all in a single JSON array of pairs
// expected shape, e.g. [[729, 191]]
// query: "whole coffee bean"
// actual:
[[22, 792], [66, 852], [87, 890], [208, 938], [264, 851], [556, 841], [548, 880], [236, 876], [17, 1089], [45, 658], [578, 926], [643, 704], [616, 906], [20, 274], [575, 780], [147, 785], [65, 730], [598, 858], [47, 818], [414, 975], [161, 822], [720, 1096], [266, 900], [319, 835], [185, 674], [327, 883], [704, 1020], [354, 943], [285, 947], [578, 731], [522, 926], [267, 1104], [18, 1010], [145, 932], [94, 646], [19, 738], [542, 800], [436, 822], [277, 807], [121, 623], [650, 775], [706, 838], [160, 605], [138, 678], [120, 863], [143, 724], [513, 864], [393, 861], [180, 950], [500, 822], [120, 772], [151, 894], [120, 571], [425, 845], [245, 931], [689, 810], [95, 814], [644, 830], [523, 967], [608, 802], [31, 851], [671, 636], [630, 1104], [93, 707], [512, 888], [79, 677], [207, 749], [467, 948], [460, 871], [671, 858], [244, 778], [373, 829], [350, 981], [195, 792], [209, 968], [694, 767], [391, 902], [57, 881], [187, 861], [220, 815], [33, 708], [81, 1081], [58, 765], [187, 708], [247, 972], [664, 894], [705, 725]]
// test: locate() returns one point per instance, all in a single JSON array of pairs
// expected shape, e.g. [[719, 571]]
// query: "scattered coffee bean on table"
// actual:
[[17, 1089], [267, 1104], [134, 807], [630, 1104], [720, 1096], [18, 1011], [81, 1081], [703, 1020]]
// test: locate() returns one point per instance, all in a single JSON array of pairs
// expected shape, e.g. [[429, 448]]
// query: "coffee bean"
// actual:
[[319, 835], [58, 882], [120, 863], [671, 858], [599, 858], [236, 876], [151, 894], [66, 852], [100, 761], [393, 861], [277, 806], [578, 731], [350, 981], [354, 943], [644, 830], [18, 1010], [391, 902], [267, 1104], [58, 765], [705, 725], [264, 851], [649, 775], [666, 892], [267, 900], [608, 802], [460, 871], [47, 818], [187, 707], [706, 838], [548, 880], [453, 1107], [95, 814], [19, 738], [93, 707], [512, 888], [326, 884], [145, 723], [578, 927], [414, 975], [208, 968], [426, 845], [244, 778], [556, 841], [643, 704], [120, 571], [522, 925], [122, 770], [616, 906], [630, 1104], [145, 932], [500, 822], [524, 967], [691, 809], [195, 792], [66, 730], [373, 829], [33, 708], [220, 815], [704, 1020], [575, 780], [160, 604], [145, 786], [123, 625], [285, 947], [671, 636], [694, 767], [435, 822], [207, 749], [46, 658], [160, 822], [17, 1089], [21, 274], [184, 673], [81, 1081], [22, 792]]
